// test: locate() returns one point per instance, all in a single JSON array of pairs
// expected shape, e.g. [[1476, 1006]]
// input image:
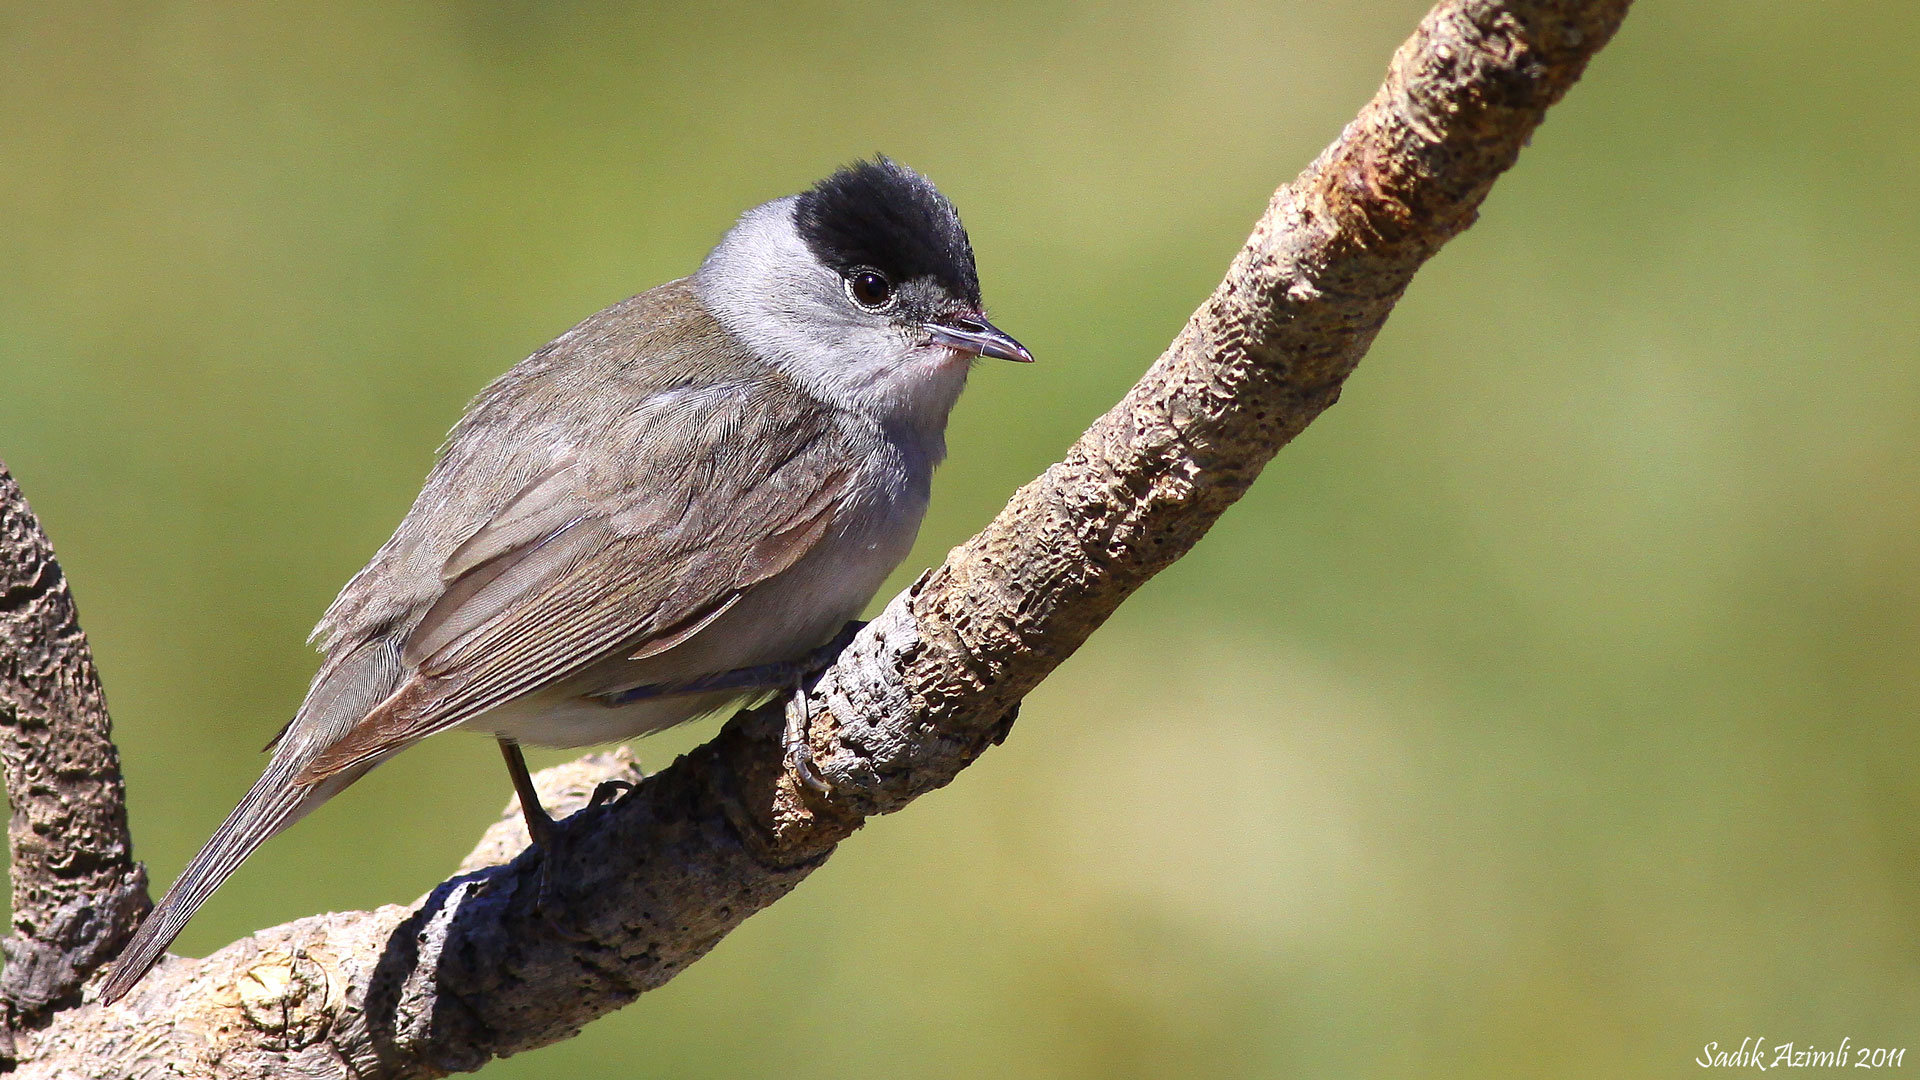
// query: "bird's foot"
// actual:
[[797, 751], [609, 790]]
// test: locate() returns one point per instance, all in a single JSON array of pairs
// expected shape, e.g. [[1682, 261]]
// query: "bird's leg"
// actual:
[[541, 828]]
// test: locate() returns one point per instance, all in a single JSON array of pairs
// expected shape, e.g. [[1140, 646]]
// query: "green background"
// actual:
[[1548, 709]]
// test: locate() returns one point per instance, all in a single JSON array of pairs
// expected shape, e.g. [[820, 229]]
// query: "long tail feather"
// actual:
[[274, 802], [342, 692]]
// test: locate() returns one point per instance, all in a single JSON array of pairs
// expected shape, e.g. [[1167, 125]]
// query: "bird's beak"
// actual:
[[973, 334]]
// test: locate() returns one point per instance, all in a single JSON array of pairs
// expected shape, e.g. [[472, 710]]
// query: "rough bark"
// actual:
[[77, 893], [651, 882]]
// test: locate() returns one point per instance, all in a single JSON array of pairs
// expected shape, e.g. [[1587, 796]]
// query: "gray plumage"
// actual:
[[714, 475]]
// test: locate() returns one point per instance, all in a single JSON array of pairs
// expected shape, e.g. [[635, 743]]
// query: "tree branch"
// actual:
[[77, 893], [472, 971]]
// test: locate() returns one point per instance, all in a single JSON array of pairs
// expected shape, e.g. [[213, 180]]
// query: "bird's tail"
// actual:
[[342, 693], [275, 802]]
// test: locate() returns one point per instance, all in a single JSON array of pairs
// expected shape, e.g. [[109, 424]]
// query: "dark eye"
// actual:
[[870, 288]]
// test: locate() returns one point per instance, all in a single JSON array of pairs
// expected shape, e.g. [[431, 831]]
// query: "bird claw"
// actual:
[[799, 762], [797, 751], [609, 790]]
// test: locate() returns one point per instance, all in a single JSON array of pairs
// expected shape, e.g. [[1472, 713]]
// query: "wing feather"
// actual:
[[485, 592], [553, 583], [541, 508]]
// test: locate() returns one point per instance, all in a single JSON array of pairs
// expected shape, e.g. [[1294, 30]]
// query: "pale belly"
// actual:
[[780, 619]]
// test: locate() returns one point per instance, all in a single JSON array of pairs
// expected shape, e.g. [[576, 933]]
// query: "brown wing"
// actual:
[[727, 490]]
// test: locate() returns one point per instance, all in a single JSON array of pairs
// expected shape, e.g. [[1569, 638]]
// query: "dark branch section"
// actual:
[[472, 971], [77, 893]]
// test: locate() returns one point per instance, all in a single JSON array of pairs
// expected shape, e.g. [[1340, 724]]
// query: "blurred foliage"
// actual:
[[1547, 710]]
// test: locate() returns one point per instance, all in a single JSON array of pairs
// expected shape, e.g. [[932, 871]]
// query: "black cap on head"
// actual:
[[883, 215]]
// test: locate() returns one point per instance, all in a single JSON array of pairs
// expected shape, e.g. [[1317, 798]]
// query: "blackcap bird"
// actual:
[[662, 513]]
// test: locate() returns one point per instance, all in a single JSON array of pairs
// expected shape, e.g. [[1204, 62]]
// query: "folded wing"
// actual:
[[726, 488]]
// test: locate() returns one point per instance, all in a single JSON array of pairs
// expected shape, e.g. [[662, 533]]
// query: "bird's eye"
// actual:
[[870, 288]]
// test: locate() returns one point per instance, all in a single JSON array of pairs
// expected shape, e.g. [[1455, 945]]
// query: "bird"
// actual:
[[667, 512]]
